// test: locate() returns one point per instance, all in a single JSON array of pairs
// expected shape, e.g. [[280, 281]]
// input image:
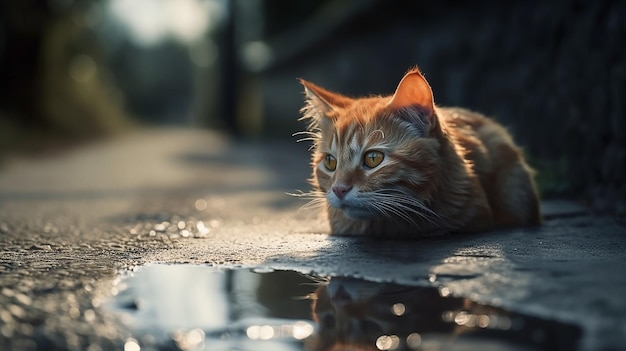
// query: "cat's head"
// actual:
[[374, 157]]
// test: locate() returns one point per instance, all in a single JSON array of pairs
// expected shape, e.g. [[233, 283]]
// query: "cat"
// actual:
[[351, 314], [355, 314], [400, 166]]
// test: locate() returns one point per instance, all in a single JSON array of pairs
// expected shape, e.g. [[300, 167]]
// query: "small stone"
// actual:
[[16, 311], [23, 299], [40, 248]]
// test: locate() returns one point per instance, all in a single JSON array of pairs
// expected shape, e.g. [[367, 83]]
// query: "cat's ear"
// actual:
[[414, 91], [322, 100]]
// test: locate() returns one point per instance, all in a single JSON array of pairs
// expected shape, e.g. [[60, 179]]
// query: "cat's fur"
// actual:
[[443, 169]]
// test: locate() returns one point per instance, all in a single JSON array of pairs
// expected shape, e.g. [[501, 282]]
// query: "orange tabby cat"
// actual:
[[401, 166]]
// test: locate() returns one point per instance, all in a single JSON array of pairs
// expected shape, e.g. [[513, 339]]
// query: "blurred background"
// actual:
[[553, 72]]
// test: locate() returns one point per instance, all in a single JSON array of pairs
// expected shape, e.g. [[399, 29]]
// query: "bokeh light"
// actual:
[[151, 21]]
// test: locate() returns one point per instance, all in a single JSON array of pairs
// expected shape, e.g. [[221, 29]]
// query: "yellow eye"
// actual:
[[330, 162], [373, 159]]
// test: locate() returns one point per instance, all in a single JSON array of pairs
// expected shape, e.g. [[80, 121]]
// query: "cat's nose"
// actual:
[[341, 190]]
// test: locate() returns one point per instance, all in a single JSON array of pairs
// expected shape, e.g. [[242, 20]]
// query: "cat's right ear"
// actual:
[[322, 100], [314, 100]]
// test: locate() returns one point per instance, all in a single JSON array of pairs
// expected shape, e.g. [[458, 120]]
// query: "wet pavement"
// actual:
[[75, 227], [211, 308]]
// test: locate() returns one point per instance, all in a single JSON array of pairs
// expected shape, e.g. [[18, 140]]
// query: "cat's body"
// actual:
[[401, 166]]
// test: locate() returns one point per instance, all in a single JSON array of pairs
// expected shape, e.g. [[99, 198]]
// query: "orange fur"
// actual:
[[444, 169]]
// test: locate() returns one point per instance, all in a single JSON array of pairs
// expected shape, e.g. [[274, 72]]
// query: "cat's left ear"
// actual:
[[415, 91]]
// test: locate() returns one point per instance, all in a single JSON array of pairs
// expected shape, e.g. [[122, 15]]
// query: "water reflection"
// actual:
[[203, 308], [394, 317]]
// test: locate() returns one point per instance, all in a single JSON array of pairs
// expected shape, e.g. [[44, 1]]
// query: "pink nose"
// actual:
[[341, 190]]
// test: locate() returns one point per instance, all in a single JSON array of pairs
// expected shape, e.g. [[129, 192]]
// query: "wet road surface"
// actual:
[[73, 225]]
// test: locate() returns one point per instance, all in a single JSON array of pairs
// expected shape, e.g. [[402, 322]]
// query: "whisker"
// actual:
[[405, 206], [384, 210], [307, 132], [316, 199], [307, 195], [306, 139], [391, 209], [312, 204]]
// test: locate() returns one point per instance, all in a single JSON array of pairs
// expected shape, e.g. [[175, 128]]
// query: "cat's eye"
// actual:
[[373, 159], [330, 162]]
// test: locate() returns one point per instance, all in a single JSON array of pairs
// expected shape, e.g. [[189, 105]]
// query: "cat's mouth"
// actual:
[[351, 207]]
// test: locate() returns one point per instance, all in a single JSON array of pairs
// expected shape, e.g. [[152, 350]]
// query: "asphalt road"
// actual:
[[72, 222]]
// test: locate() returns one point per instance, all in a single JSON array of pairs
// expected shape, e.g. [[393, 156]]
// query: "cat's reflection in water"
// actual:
[[355, 314]]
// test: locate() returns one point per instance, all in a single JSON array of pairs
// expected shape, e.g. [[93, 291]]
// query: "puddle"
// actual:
[[187, 307]]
